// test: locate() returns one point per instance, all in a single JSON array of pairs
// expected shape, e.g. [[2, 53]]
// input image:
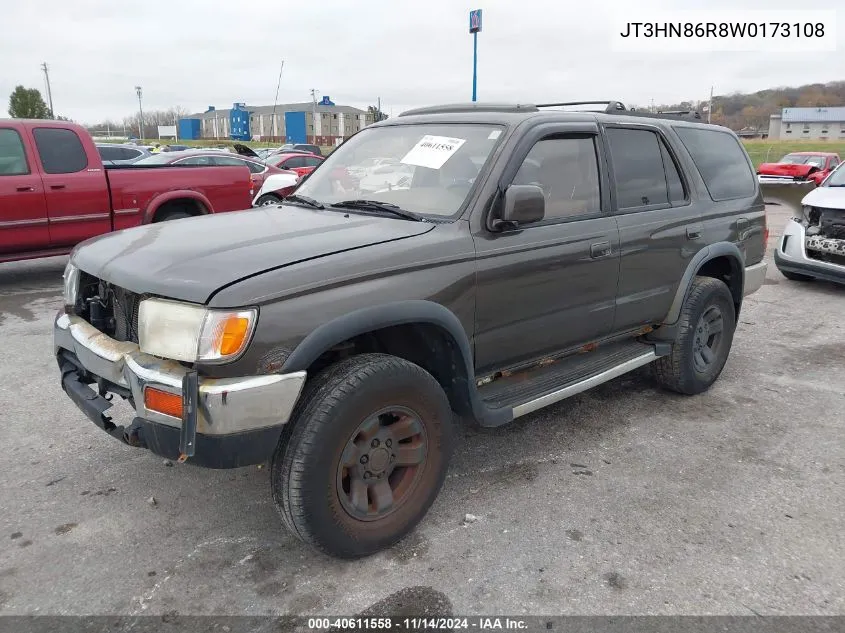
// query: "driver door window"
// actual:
[[566, 169]]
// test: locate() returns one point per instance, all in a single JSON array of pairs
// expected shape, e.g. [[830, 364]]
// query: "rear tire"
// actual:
[[703, 342], [364, 455], [173, 215], [268, 199]]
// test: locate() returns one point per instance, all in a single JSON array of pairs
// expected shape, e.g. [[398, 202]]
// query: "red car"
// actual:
[[258, 170], [813, 166], [302, 164], [55, 191]]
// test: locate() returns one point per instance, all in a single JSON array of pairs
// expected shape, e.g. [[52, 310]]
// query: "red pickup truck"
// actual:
[[814, 166], [55, 191]]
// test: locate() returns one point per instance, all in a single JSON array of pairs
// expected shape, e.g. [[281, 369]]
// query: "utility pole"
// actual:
[[49, 92], [313, 116], [710, 105], [378, 108], [141, 113]]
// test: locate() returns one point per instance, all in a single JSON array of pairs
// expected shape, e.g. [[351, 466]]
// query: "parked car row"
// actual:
[[56, 191]]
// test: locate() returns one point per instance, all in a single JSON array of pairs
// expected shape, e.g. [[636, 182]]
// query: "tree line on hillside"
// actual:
[[736, 110], [752, 110], [128, 125]]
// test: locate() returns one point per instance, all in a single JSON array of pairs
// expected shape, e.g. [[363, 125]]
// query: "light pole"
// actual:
[[49, 92], [313, 115], [141, 115], [475, 29]]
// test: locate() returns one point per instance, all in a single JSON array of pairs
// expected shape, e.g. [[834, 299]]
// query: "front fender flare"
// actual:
[[377, 317]]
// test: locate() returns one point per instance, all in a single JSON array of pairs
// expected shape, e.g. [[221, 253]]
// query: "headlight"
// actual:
[[187, 332], [71, 284]]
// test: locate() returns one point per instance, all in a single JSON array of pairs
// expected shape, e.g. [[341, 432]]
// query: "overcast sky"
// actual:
[[195, 53]]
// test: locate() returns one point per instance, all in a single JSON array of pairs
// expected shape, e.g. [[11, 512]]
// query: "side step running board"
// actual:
[[583, 385]]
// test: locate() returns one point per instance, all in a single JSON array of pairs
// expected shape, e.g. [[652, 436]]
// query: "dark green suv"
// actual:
[[503, 258]]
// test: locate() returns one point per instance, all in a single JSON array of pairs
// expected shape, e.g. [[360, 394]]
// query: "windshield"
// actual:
[[428, 168], [800, 159], [836, 178]]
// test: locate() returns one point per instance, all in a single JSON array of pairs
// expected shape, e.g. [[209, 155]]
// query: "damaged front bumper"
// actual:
[[791, 254], [225, 422]]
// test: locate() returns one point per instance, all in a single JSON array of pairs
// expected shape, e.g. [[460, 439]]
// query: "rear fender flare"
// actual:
[[180, 194], [719, 249]]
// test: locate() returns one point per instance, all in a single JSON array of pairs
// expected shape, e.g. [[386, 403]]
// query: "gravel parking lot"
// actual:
[[623, 500]]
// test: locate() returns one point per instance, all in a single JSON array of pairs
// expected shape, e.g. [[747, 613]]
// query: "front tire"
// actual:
[[704, 339], [364, 455], [267, 200]]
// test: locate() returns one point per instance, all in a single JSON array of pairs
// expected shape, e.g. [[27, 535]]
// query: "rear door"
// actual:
[[257, 171], [659, 226], [78, 203], [23, 208]]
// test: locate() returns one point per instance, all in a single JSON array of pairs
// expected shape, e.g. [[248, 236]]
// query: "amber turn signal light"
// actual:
[[163, 402], [233, 335]]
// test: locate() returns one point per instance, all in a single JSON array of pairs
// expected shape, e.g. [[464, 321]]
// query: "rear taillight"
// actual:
[[765, 229]]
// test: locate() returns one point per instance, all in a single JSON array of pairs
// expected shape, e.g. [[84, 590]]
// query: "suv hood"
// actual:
[[826, 197], [192, 258]]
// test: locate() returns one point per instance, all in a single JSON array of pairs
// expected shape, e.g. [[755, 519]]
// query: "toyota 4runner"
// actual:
[[520, 254]]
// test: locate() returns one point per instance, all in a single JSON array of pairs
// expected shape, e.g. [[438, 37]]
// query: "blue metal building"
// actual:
[[190, 129], [239, 122]]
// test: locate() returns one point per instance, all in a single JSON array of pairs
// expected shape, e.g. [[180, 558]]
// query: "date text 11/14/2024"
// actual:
[[416, 624]]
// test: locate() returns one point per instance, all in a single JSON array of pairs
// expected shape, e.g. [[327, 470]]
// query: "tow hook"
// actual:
[[134, 435]]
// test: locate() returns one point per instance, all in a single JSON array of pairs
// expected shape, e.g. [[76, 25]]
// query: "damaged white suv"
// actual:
[[813, 244]]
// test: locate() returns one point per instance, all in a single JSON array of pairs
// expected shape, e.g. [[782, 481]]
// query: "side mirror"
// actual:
[[523, 204]]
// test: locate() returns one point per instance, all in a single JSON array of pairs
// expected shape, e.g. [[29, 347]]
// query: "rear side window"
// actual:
[[60, 150], [721, 161], [295, 162], [229, 162], [255, 168], [111, 153], [129, 154], [12, 154], [312, 162], [645, 173]]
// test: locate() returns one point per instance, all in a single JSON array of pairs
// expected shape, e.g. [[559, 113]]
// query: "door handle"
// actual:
[[599, 249], [693, 234], [57, 186], [25, 188]]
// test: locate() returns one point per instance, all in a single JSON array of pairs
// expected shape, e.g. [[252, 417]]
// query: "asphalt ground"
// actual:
[[623, 500]]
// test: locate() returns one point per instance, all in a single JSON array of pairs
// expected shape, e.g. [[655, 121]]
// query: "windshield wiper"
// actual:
[[295, 197], [377, 205]]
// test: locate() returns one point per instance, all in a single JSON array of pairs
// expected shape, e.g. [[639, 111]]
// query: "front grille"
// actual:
[[125, 313], [111, 309]]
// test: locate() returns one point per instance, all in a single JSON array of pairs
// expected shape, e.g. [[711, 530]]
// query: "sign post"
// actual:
[[475, 29]]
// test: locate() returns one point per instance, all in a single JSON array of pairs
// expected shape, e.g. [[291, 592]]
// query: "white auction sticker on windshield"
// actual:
[[432, 151]]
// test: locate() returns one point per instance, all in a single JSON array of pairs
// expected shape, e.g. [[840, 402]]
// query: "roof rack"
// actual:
[[606, 107], [471, 107], [611, 107]]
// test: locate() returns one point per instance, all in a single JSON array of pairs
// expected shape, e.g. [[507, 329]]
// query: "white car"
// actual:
[[813, 242], [275, 187], [387, 177]]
